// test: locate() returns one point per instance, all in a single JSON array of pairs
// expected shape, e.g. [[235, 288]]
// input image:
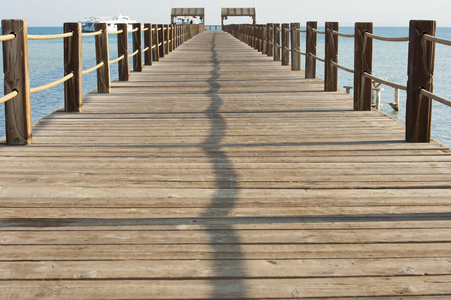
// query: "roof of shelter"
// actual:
[[188, 12], [238, 11]]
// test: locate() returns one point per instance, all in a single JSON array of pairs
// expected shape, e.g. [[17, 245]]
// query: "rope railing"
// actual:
[[437, 39], [386, 38], [342, 67], [49, 36], [116, 60], [435, 97], [386, 82], [317, 58], [7, 37], [89, 34], [115, 32], [318, 31], [133, 54], [9, 96], [346, 35], [52, 84], [93, 68], [134, 30]]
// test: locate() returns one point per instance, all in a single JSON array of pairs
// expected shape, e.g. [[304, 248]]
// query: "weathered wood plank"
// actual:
[[218, 173]]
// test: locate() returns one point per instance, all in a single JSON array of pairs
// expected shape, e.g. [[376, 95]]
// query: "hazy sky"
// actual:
[[347, 12]]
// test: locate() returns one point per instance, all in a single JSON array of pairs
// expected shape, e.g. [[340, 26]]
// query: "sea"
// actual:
[[389, 61]]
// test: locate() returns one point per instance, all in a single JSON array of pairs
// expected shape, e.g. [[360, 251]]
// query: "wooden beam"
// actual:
[[285, 44], [363, 62], [16, 70], [295, 47], [420, 71], [122, 49], [310, 61], [102, 55], [277, 42], [137, 46], [148, 44], [73, 88], [331, 55]]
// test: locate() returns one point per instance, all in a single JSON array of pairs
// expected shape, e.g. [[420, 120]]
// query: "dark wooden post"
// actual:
[[295, 47], [285, 43], [16, 70], [137, 46], [122, 49], [264, 39], [102, 55], [420, 71], [73, 88], [167, 38], [277, 42], [363, 62], [148, 44], [161, 38], [155, 42], [310, 61], [269, 39], [331, 55]]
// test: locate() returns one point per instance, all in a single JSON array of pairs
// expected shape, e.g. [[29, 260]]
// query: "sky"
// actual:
[[346, 12]]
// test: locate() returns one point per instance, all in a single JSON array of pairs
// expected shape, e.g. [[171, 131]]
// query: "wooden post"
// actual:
[[161, 38], [331, 55], [156, 42], [137, 46], [295, 47], [16, 70], [269, 39], [420, 70], [363, 62], [102, 55], [264, 39], [73, 88], [148, 44], [167, 39], [122, 49], [277, 42], [285, 43], [310, 61]]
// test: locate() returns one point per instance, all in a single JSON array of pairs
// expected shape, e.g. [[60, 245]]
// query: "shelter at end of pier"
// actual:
[[188, 12], [238, 12]]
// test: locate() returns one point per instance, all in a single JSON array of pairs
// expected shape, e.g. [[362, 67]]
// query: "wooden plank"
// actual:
[[218, 173]]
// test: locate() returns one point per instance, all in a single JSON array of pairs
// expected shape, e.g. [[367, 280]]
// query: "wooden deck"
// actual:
[[218, 173]]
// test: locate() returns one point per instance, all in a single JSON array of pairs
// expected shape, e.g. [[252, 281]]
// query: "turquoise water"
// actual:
[[389, 61]]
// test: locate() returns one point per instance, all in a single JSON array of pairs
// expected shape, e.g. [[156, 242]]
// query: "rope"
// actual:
[[9, 96], [116, 60], [52, 84], [134, 30], [435, 97], [300, 52], [154, 46], [133, 54], [349, 35], [437, 39], [145, 29], [317, 31], [92, 33], [341, 67], [116, 32], [92, 69], [7, 37], [386, 82], [50, 37], [146, 49], [387, 39], [317, 58]]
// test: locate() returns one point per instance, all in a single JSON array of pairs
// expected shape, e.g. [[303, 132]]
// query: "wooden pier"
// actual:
[[219, 173]]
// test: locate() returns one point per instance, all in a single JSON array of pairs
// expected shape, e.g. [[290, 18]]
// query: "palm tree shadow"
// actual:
[[223, 167]]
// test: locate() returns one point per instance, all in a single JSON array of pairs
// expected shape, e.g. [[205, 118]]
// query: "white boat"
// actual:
[[88, 24], [187, 20]]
